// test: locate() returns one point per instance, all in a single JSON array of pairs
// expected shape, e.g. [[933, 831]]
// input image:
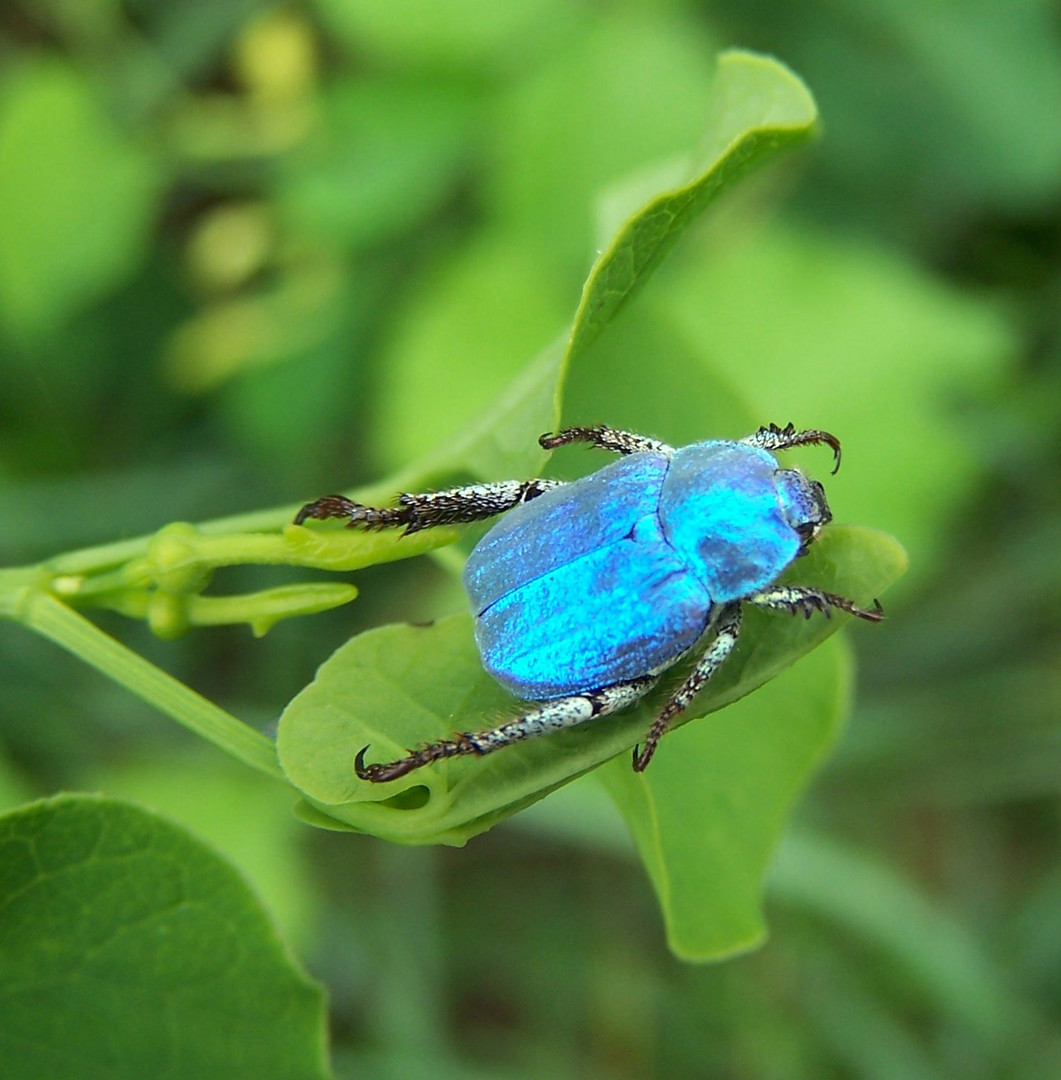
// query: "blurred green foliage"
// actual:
[[251, 252]]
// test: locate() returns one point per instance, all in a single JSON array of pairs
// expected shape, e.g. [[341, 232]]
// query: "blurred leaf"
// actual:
[[385, 154], [77, 195], [396, 686], [308, 306], [937, 112], [270, 407], [984, 736], [446, 33], [129, 949], [464, 334], [861, 1028], [191, 35], [192, 483], [996, 71]]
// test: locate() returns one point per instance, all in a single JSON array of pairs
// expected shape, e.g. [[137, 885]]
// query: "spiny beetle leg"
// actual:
[[476, 502], [605, 438], [358, 516], [798, 600], [425, 511], [382, 772], [543, 719], [773, 437], [726, 634]]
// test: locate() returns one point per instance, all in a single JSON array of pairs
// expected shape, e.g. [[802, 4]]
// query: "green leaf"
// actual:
[[396, 686], [77, 197], [709, 815], [758, 108], [128, 949]]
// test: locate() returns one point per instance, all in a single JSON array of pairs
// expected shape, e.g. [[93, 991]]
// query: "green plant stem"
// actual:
[[54, 620], [103, 556], [100, 557]]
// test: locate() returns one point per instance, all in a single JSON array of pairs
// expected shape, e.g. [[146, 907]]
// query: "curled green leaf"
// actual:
[[758, 109]]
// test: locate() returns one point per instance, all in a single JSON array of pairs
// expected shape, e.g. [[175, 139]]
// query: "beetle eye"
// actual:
[[808, 533]]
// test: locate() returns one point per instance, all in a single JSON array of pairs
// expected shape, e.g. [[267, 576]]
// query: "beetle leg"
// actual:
[[798, 600], [454, 507], [776, 438], [726, 633], [606, 438], [543, 719]]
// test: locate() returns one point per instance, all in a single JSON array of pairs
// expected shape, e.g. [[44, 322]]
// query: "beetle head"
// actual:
[[803, 503]]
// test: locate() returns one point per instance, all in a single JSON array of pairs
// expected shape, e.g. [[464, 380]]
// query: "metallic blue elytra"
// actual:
[[617, 575], [585, 592]]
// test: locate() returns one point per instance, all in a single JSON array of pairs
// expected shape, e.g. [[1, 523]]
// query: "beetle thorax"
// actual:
[[803, 503]]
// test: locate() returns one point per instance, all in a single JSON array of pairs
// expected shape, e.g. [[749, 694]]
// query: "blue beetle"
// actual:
[[586, 592]]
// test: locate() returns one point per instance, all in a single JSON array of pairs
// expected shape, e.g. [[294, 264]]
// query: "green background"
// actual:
[[250, 253]]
